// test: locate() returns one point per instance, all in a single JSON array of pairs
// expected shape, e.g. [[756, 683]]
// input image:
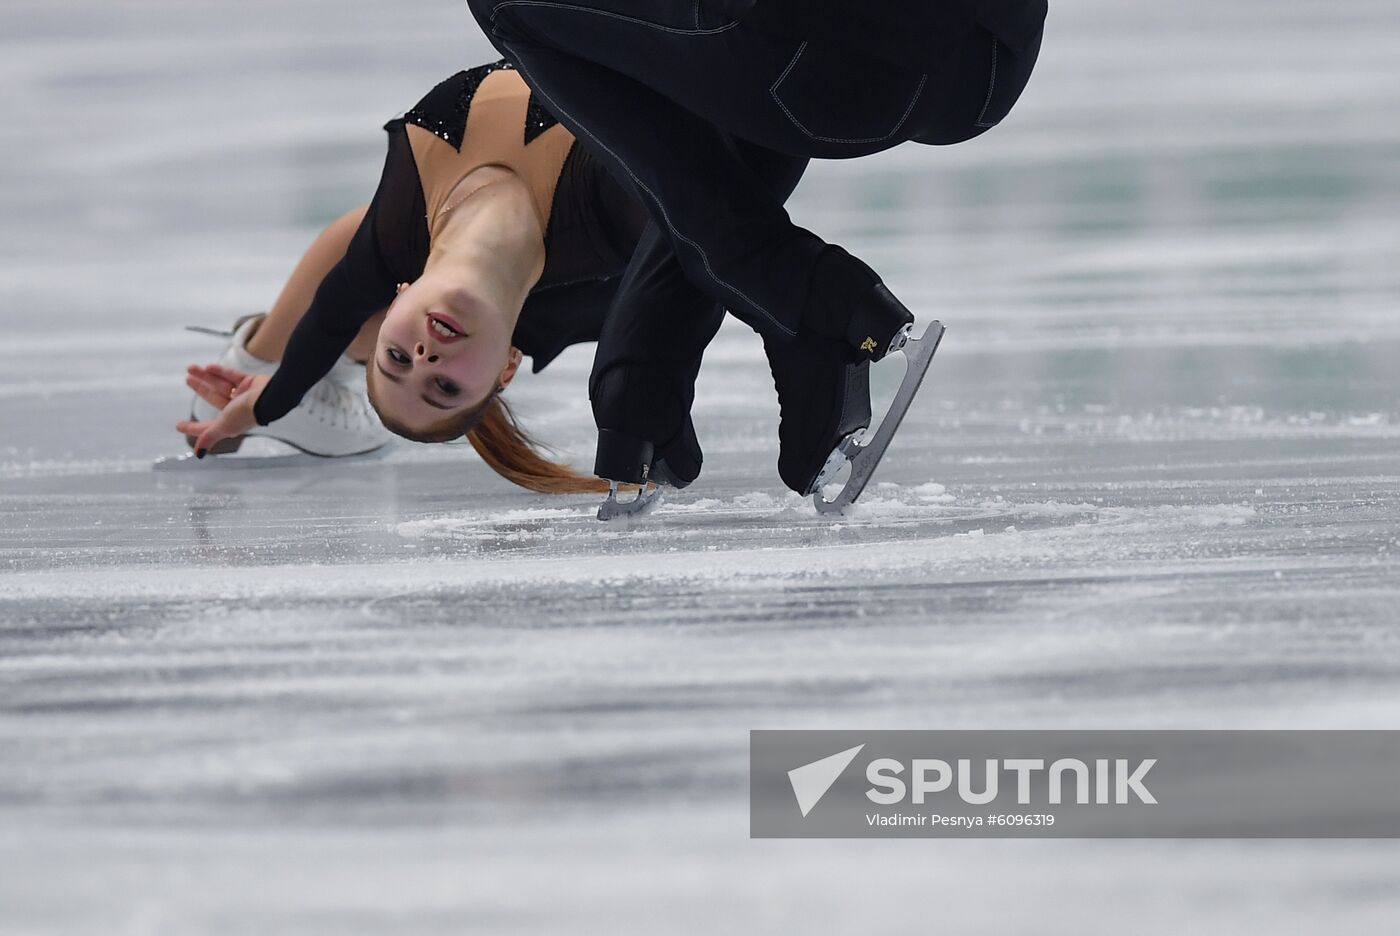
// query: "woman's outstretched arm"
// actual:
[[390, 240]]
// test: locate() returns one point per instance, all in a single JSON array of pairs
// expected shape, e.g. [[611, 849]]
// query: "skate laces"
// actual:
[[335, 405]]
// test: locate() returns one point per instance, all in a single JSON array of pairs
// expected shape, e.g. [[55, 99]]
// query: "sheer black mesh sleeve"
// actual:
[[390, 247]]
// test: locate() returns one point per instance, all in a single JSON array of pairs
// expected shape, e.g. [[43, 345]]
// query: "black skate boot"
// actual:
[[631, 407], [824, 398], [643, 380], [847, 302]]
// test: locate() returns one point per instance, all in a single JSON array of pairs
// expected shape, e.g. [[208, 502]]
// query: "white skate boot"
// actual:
[[333, 420]]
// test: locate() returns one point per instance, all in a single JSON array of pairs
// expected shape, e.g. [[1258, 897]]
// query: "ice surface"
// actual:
[[1152, 481]]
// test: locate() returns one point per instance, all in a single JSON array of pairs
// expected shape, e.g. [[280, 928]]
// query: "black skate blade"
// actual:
[[644, 503], [864, 451]]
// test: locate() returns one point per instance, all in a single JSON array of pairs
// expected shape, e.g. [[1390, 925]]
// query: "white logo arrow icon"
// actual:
[[811, 781]]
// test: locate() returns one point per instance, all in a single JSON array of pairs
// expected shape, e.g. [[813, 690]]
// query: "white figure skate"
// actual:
[[333, 420]]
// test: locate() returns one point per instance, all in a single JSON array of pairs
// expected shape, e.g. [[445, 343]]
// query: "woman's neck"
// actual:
[[490, 240]]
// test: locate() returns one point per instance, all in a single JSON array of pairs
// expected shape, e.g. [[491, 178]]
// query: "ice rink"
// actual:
[[1151, 482]]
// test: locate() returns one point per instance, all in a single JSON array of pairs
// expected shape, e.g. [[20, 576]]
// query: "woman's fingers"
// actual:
[[209, 393], [221, 385], [206, 433], [233, 376], [236, 419], [210, 437], [236, 401]]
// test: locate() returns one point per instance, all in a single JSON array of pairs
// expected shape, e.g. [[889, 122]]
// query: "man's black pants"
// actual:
[[661, 90]]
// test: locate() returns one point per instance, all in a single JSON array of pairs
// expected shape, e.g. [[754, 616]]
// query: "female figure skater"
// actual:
[[677, 96], [335, 417], [491, 234]]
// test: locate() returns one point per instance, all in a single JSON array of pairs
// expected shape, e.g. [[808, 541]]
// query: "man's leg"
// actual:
[[823, 396], [648, 358], [643, 381]]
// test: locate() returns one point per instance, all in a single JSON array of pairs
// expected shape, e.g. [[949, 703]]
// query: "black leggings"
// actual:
[[659, 88]]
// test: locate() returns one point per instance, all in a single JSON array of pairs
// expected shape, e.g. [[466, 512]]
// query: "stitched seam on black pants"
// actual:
[[773, 91], [665, 215], [619, 16], [991, 90]]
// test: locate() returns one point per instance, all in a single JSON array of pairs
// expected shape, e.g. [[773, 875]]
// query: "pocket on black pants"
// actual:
[[845, 98], [979, 91]]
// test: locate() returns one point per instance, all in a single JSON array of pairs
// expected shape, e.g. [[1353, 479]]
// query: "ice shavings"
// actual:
[[455, 526]]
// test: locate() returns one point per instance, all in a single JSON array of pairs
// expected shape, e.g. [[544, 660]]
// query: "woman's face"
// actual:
[[439, 353]]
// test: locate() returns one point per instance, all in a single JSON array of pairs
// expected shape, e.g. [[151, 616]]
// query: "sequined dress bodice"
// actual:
[[486, 116], [482, 117]]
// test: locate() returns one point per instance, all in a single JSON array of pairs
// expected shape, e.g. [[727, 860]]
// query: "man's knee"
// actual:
[[501, 20], [489, 16]]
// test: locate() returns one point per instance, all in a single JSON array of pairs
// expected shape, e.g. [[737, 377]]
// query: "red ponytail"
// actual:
[[512, 454]]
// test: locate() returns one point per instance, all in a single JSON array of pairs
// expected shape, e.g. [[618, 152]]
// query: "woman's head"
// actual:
[[442, 356], [439, 367]]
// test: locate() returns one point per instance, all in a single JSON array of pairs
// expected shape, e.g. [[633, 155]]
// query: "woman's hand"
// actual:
[[234, 393]]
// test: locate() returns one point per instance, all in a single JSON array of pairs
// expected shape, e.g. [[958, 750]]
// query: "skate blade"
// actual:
[[647, 500], [206, 330], [244, 460], [224, 332], [862, 450]]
